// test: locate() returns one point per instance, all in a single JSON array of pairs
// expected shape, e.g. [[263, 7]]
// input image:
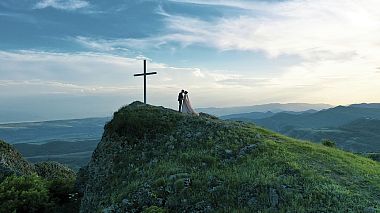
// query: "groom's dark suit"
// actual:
[[180, 101]]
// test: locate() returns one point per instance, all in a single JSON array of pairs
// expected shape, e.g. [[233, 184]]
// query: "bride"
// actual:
[[186, 107]]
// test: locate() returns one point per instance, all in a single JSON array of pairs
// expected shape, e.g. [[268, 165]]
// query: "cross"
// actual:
[[145, 74]]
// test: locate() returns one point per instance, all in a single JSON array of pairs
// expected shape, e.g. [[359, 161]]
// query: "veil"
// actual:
[[187, 108]]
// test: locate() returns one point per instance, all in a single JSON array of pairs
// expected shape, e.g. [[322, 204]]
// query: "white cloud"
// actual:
[[62, 4], [337, 42], [29, 73], [310, 29], [242, 4], [34, 73]]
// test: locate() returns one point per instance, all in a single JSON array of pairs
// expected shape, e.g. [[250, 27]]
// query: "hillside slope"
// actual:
[[154, 159], [12, 162]]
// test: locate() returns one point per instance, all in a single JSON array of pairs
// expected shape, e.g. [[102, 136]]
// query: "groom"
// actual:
[[180, 100]]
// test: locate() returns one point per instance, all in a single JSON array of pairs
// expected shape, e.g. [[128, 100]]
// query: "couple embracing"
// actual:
[[184, 103]]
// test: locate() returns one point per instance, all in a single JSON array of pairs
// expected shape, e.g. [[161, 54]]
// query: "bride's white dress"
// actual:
[[186, 107]]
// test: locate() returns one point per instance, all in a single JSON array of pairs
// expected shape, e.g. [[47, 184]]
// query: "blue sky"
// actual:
[[83, 53]]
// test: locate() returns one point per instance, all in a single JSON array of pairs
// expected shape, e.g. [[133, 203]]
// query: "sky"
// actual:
[[76, 58]]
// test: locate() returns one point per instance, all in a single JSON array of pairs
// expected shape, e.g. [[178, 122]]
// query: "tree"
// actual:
[[24, 194]]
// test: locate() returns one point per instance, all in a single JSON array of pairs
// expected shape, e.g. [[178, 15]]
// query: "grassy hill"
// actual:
[[154, 159]]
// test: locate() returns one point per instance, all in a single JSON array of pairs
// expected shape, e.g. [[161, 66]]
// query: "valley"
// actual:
[[70, 142]]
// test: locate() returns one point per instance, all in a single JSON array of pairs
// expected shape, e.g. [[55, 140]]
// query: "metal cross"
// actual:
[[145, 74]]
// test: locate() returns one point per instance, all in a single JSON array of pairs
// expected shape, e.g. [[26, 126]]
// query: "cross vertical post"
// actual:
[[144, 81], [145, 74]]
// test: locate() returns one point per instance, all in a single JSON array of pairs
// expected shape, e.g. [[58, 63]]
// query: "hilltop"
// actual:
[[154, 159]]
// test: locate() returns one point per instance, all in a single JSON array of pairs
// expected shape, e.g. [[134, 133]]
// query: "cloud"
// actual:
[[94, 72], [336, 42], [31, 73], [43, 87], [246, 5], [309, 29], [62, 4], [313, 30]]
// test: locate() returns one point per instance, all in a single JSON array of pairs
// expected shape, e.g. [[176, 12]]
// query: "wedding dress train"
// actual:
[[186, 107]]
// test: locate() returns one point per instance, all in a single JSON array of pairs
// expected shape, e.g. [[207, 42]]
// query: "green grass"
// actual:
[[155, 151]]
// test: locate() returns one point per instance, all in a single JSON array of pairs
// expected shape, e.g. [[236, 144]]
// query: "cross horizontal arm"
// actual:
[[149, 73]]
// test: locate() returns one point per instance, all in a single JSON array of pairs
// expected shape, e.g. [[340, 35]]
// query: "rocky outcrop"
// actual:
[[54, 170], [154, 159], [11, 162]]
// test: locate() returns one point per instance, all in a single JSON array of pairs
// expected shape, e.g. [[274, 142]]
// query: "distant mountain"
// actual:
[[259, 115], [55, 148], [274, 107], [367, 125], [355, 128], [333, 117], [364, 105], [47, 131], [248, 116], [362, 135], [69, 142], [73, 154]]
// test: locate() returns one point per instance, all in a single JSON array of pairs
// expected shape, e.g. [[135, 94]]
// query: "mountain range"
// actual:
[[353, 127], [273, 107]]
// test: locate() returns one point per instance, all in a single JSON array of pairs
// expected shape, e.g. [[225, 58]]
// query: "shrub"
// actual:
[[329, 143], [63, 190], [374, 156], [24, 194], [35, 194]]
